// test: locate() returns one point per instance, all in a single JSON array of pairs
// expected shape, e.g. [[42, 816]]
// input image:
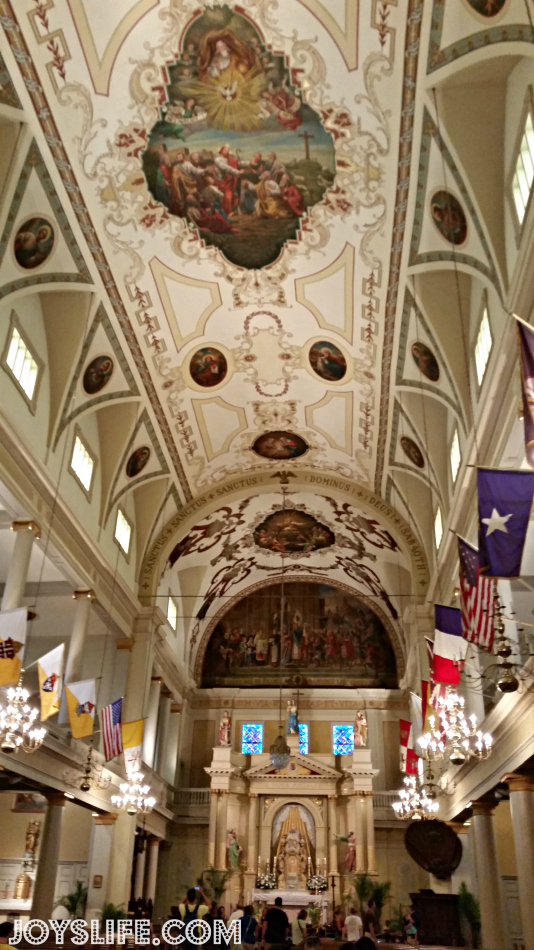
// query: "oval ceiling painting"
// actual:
[[236, 152], [292, 531], [208, 366], [412, 450], [327, 636], [33, 243], [97, 374], [328, 361], [487, 8], [137, 461], [425, 361], [280, 445], [448, 216]]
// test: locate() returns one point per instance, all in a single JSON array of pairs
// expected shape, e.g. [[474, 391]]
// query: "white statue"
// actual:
[[360, 730], [225, 727]]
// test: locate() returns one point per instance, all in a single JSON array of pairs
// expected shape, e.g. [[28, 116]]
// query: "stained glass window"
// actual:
[[343, 739], [304, 738], [252, 738]]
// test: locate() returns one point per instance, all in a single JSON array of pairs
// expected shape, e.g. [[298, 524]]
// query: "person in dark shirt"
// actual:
[[275, 925], [369, 921]]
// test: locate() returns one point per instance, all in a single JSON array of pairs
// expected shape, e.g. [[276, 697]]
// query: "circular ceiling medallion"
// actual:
[[448, 216], [293, 532], [487, 8], [97, 374], [33, 243], [425, 361], [328, 361], [137, 461], [208, 366], [280, 445], [412, 450]]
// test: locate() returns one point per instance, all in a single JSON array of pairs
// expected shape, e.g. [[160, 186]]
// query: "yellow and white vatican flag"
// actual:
[[81, 698], [132, 745], [13, 625], [50, 672]]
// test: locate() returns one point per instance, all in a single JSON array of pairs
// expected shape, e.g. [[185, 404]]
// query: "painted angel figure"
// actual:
[[225, 727], [360, 730], [234, 849], [350, 857]]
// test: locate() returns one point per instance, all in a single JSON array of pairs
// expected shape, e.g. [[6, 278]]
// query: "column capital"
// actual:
[[253, 795], [519, 783], [107, 819], [84, 594], [55, 798], [176, 707], [458, 827], [23, 524], [485, 805]]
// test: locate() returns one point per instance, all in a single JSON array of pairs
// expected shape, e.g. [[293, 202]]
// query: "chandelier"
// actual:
[[91, 777], [415, 804], [134, 797], [17, 729], [456, 736], [279, 752]]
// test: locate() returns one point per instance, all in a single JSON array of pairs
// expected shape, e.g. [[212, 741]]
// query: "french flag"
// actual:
[[449, 645]]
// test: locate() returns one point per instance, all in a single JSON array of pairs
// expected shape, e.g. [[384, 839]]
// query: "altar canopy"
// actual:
[[293, 854]]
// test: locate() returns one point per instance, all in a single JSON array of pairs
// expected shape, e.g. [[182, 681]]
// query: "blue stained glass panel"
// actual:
[[343, 740], [252, 738], [304, 738]]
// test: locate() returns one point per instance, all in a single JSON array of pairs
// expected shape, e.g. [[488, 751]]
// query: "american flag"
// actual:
[[476, 598], [111, 721]]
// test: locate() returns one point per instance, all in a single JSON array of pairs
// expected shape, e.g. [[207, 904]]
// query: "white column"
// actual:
[[151, 723], [252, 837], [212, 833], [139, 879], [152, 874], [99, 863], [120, 872], [522, 807], [163, 731], [171, 758], [45, 880], [359, 831], [370, 831], [489, 882], [332, 832], [222, 828], [74, 664], [139, 667], [17, 574]]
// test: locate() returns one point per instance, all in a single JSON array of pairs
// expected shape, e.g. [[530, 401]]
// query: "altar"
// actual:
[[293, 901]]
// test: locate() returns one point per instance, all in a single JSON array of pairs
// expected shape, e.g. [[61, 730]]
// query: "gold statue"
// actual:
[[32, 838]]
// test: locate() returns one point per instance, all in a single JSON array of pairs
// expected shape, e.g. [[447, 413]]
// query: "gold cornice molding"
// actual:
[[353, 705], [84, 595], [22, 524], [519, 783]]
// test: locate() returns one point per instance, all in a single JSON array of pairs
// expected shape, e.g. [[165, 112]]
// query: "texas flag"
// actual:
[[504, 504], [449, 645], [408, 756]]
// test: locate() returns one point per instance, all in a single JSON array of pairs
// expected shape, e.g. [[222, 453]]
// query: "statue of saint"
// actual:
[[225, 727], [32, 837], [234, 849], [350, 857], [292, 726], [360, 731]]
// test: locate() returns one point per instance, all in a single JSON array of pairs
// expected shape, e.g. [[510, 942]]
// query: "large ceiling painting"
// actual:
[[293, 532], [321, 634], [236, 152]]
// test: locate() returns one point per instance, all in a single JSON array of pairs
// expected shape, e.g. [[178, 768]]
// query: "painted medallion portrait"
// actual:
[[323, 634], [412, 450], [487, 8], [280, 445], [328, 361], [137, 461], [208, 366], [292, 531], [425, 361], [236, 151], [97, 374], [33, 243], [448, 216]]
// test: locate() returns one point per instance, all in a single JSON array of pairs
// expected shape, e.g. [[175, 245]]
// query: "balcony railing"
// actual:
[[193, 796]]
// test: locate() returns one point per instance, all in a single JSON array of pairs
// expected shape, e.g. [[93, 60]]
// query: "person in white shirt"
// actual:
[[236, 915], [298, 928], [352, 928]]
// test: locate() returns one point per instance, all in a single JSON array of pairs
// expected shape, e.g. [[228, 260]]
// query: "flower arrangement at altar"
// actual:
[[317, 883], [266, 882]]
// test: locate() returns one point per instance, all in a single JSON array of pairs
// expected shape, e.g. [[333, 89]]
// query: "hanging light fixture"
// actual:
[[414, 803], [279, 752], [17, 722], [456, 736], [91, 777], [135, 797]]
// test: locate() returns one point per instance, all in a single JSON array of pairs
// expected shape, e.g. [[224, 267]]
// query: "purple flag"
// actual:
[[504, 502], [526, 362]]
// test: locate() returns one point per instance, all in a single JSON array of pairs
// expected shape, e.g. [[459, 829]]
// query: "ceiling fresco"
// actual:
[[277, 216]]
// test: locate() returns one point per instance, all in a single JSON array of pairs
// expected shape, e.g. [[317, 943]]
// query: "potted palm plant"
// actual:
[[469, 909], [74, 902]]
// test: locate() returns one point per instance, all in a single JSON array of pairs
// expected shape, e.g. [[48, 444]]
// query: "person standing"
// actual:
[[352, 928], [369, 920], [298, 928], [249, 929], [275, 925]]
